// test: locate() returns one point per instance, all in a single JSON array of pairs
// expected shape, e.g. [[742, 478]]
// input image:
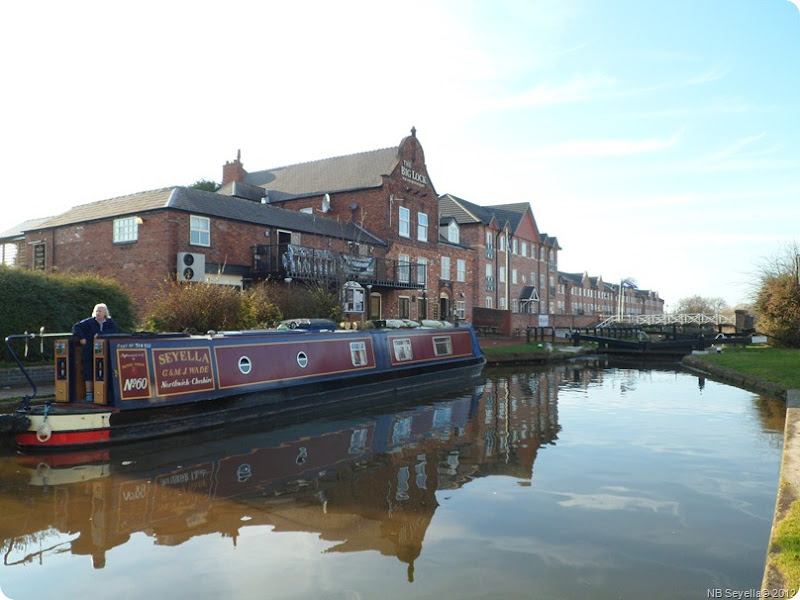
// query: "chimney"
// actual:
[[233, 171]]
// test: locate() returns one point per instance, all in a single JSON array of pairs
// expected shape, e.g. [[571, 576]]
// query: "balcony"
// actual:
[[490, 284], [302, 263]]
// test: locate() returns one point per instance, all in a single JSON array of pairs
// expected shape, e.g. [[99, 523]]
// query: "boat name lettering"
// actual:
[[173, 356], [184, 477], [185, 382], [182, 371], [140, 383], [138, 493]]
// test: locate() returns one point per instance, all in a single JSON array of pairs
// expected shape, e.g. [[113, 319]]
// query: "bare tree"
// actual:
[[699, 305]]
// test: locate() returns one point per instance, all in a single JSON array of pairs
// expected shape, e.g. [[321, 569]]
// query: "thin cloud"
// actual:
[[588, 88], [607, 147], [747, 154], [580, 89]]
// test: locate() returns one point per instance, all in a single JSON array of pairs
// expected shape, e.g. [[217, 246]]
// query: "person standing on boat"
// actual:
[[100, 322]]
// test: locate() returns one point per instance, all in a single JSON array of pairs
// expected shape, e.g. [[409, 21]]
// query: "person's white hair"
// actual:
[[103, 306]]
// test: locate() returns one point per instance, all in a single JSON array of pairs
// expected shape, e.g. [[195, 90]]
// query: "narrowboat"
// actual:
[[152, 385]]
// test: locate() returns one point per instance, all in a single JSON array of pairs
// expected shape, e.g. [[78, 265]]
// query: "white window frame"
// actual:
[[401, 349], [442, 345], [461, 270], [461, 309], [446, 268], [453, 233], [199, 231], [404, 222], [422, 227], [126, 230], [422, 271], [404, 269], [358, 354]]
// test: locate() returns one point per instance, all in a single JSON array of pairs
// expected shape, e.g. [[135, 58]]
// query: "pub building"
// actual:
[[370, 225]]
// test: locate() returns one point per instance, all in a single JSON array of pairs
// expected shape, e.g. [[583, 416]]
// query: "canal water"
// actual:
[[585, 480]]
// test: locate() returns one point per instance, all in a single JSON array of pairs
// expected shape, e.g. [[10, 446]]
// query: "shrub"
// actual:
[[30, 300], [307, 300], [259, 307], [195, 308]]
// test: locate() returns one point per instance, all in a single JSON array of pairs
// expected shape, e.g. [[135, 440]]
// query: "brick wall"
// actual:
[[13, 378]]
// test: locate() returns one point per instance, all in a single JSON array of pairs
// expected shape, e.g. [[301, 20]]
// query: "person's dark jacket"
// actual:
[[87, 328]]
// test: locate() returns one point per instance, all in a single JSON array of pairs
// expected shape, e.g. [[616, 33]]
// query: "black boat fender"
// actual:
[[14, 423]]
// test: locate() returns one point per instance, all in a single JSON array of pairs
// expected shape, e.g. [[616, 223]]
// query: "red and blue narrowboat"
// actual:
[[153, 385]]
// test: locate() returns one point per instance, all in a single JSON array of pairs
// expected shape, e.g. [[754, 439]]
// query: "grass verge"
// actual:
[[787, 539], [778, 365]]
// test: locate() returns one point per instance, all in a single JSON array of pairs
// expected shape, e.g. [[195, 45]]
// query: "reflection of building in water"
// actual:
[[518, 413], [367, 483]]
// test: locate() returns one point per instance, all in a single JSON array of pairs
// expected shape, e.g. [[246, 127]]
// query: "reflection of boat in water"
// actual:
[[323, 473], [157, 385], [365, 482]]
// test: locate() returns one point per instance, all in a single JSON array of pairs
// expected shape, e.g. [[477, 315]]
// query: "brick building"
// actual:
[[580, 294], [370, 224]]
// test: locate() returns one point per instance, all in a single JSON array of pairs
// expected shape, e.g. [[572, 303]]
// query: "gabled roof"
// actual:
[[466, 213], [548, 240], [462, 211], [337, 174], [18, 231], [510, 213], [575, 278], [213, 205]]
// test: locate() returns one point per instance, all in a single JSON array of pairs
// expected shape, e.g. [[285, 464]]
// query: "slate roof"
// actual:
[[329, 175], [528, 292], [18, 231], [575, 278], [462, 211], [465, 213], [510, 213], [213, 205]]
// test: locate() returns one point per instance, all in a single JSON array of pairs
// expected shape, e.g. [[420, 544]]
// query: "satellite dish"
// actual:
[[326, 203]]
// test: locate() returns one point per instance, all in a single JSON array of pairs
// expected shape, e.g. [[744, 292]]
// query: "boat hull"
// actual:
[[185, 384]]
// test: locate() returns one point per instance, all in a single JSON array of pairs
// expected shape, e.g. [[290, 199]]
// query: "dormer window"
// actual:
[[453, 234]]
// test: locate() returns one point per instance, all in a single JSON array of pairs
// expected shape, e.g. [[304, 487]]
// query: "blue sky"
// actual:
[[658, 141]]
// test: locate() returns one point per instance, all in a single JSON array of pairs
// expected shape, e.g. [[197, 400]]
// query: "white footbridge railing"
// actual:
[[667, 319]]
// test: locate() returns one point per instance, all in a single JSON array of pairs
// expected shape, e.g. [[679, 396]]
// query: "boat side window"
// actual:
[[443, 345], [358, 354], [402, 349]]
